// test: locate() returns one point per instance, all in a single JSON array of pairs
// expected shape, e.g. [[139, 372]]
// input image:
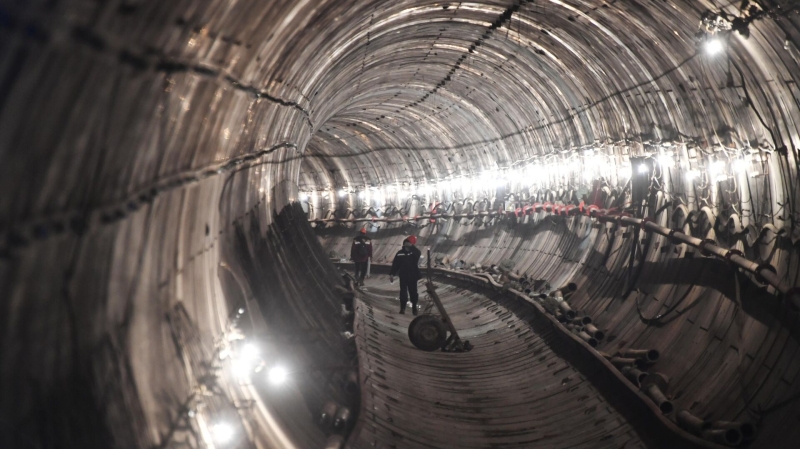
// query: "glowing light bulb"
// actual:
[[714, 46], [303, 197], [739, 165], [716, 170], [241, 369], [277, 375], [223, 432], [342, 193], [643, 168]]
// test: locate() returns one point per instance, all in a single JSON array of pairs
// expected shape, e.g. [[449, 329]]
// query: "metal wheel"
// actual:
[[427, 332]]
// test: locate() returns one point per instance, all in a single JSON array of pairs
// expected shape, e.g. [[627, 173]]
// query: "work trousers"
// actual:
[[361, 271], [408, 288]]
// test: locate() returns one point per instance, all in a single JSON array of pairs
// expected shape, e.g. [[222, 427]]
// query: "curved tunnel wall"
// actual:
[[135, 137], [730, 356]]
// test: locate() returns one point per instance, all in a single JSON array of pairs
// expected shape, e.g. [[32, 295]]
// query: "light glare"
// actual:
[[223, 432], [716, 168], [714, 46], [241, 369], [277, 375], [250, 351]]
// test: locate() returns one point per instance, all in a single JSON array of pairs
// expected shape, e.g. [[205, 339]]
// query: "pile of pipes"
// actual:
[[634, 365], [335, 418]]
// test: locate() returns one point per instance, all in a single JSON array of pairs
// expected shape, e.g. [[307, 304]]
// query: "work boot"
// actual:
[[402, 311], [414, 310]]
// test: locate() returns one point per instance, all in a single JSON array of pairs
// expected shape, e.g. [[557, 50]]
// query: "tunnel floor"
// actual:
[[511, 390]]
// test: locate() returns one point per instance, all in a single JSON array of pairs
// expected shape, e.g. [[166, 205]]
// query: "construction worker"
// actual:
[[360, 252], [406, 266]]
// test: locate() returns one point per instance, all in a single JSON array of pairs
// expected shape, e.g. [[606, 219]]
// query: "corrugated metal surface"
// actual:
[[699, 340], [137, 137], [511, 390]]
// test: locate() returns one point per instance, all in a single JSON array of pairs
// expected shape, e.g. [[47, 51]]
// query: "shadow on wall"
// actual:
[[292, 281]]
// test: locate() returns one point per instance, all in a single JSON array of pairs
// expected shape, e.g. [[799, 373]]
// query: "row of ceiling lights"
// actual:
[[543, 175]]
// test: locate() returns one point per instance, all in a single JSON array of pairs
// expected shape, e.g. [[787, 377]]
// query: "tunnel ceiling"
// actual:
[[148, 151], [430, 91]]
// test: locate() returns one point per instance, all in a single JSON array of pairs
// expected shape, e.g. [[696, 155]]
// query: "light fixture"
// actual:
[[714, 46], [303, 197], [250, 351], [717, 170], [277, 375], [241, 369], [223, 432], [362, 194], [643, 168], [342, 193]]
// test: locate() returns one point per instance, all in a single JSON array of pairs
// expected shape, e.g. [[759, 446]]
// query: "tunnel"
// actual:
[[604, 194]]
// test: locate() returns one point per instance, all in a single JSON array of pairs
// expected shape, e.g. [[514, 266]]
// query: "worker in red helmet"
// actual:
[[360, 252], [406, 267]]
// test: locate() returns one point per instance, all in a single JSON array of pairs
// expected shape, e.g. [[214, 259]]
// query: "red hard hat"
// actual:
[[412, 239], [363, 230]]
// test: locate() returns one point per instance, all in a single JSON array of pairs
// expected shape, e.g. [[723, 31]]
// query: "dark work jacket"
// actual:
[[357, 243], [406, 264]]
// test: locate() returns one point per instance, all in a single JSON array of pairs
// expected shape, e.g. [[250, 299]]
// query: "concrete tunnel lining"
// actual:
[[152, 155]]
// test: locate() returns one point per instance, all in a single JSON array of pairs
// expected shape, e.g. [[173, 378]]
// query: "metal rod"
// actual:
[[435, 297]]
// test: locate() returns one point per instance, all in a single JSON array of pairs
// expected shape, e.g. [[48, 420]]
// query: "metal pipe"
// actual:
[[680, 237], [693, 424], [728, 437], [582, 321], [636, 376], [564, 307], [334, 442], [351, 382], [342, 418], [658, 397], [567, 289], [596, 333], [647, 355], [654, 386], [588, 339], [621, 362], [327, 413], [747, 430]]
